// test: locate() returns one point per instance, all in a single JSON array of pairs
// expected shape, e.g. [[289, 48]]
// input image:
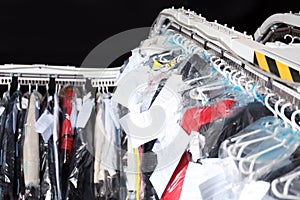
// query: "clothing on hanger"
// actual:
[[7, 173], [81, 182]]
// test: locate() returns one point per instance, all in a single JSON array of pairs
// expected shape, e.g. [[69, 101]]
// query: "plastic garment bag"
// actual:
[[31, 149], [81, 184], [8, 148], [20, 135], [262, 147], [219, 130], [66, 135], [287, 186], [99, 174], [47, 171], [174, 187], [109, 157], [194, 118]]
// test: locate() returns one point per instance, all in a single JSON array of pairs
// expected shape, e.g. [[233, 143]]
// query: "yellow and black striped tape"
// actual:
[[276, 67]]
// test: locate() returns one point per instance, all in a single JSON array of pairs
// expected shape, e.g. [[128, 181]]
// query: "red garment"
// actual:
[[174, 187], [67, 139], [194, 118]]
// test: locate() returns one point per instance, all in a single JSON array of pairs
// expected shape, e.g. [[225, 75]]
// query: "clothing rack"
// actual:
[[227, 49], [40, 75]]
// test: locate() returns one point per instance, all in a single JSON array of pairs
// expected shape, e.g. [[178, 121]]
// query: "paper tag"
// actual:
[[15, 117], [87, 96], [44, 125], [143, 127], [168, 159], [195, 146], [130, 84], [73, 115], [84, 114], [50, 98], [24, 103], [255, 190], [2, 108], [78, 104]]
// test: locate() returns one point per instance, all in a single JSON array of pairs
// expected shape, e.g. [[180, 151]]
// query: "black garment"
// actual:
[[48, 179], [219, 130], [293, 162], [19, 169], [148, 164], [192, 67], [8, 149], [81, 184], [4, 103]]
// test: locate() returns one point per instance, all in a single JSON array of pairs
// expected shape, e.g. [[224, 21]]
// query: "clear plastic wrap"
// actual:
[[174, 187], [80, 180], [31, 149], [287, 186], [219, 130], [8, 149], [262, 148], [20, 134]]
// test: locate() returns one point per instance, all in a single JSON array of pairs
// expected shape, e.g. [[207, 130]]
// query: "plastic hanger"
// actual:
[[264, 129], [266, 101], [197, 93], [286, 182], [286, 120], [295, 125]]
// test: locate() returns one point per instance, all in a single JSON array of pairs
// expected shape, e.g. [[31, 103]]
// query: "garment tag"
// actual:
[[131, 83], [195, 146], [87, 96], [78, 104], [73, 115], [85, 113], [24, 103], [50, 98], [2, 108], [254, 190], [15, 116], [143, 127], [44, 125], [168, 159]]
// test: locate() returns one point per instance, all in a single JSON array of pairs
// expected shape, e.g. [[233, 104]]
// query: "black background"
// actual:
[[63, 32]]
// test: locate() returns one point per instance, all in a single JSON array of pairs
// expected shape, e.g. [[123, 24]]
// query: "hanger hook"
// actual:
[[283, 107], [278, 102], [230, 75], [247, 85], [29, 87], [234, 77], [268, 105], [295, 125], [240, 82]]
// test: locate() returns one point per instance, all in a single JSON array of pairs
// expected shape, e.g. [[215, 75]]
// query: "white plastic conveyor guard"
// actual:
[[227, 39]]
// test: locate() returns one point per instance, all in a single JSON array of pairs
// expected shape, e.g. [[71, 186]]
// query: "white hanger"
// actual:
[[253, 173], [247, 86], [283, 116], [240, 142], [293, 119], [197, 93], [286, 180], [268, 105], [240, 83]]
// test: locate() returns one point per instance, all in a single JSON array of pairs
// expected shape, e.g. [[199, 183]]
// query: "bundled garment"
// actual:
[[80, 182], [31, 149], [8, 148]]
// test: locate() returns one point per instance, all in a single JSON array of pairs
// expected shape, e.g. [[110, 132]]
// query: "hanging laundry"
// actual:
[[8, 148], [66, 136], [82, 167], [31, 148]]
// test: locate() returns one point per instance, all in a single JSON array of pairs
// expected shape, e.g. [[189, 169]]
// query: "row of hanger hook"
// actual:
[[249, 86]]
